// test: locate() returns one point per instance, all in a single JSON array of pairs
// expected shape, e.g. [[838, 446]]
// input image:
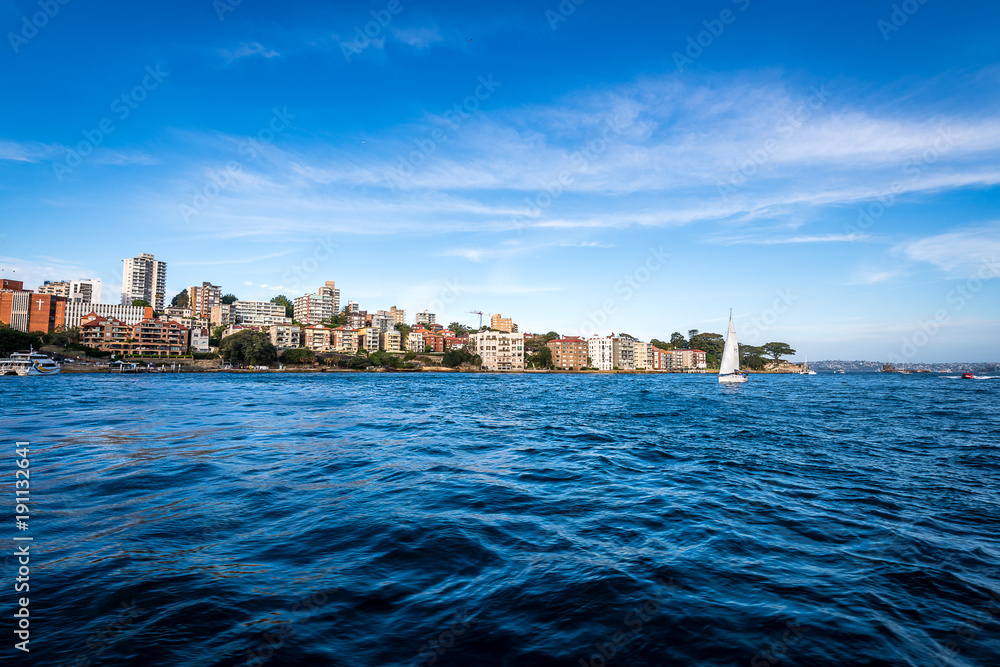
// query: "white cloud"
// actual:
[[419, 38], [822, 238], [247, 49], [970, 251]]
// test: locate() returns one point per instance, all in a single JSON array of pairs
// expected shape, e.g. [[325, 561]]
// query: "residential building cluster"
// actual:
[[176, 330]]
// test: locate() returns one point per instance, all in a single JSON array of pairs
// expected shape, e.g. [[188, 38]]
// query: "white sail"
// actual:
[[731, 354]]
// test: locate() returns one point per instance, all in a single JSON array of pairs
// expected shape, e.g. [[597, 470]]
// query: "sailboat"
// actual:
[[729, 368], [805, 368]]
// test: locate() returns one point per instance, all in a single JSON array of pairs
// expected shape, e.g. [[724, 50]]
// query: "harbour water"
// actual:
[[381, 519]]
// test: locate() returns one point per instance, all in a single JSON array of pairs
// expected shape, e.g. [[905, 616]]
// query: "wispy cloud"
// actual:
[[28, 151], [822, 238], [419, 38], [242, 260], [246, 50], [962, 252]]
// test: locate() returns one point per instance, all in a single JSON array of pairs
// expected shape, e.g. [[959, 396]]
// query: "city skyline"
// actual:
[[829, 177]]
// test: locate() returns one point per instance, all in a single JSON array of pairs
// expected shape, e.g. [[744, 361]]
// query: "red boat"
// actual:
[[968, 376]]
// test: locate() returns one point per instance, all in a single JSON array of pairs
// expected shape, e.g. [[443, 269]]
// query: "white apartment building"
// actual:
[[426, 318], [415, 341], [88, 291], [177, 312], [199, 339], [249, 313], [623, 353], [143, 277], [643, 355], [76, 310], [368, 338], [285, 336], [600, 349], [314, 308], [383, 321], [398, 315], [390, 341], [499, 351], [201, 300]]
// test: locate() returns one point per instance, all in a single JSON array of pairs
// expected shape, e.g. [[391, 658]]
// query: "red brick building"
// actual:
[[27, 311], [163, 338], [568, 354]]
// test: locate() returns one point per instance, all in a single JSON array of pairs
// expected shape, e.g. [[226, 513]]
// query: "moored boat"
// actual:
[[29, 363]]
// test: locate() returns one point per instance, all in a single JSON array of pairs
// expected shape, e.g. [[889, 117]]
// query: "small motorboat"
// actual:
[[968, 376]]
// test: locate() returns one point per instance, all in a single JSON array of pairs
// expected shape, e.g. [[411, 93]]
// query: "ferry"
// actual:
[[29, 363]]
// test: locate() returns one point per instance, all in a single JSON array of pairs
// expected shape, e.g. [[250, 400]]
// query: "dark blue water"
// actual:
[[379, 519]]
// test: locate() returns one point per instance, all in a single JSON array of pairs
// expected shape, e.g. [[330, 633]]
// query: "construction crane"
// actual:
[[480, 313]]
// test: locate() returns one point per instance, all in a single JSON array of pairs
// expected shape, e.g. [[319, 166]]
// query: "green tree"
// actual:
[[12, 340], [459, 329], [298, 355], [384, 359], [455, 357], [752, 357], [338, 320], [180, 299], [215, 337], [709, 343], [140, 302], [535, 344], [404, 330], [691, 334], [283, 300], [660, 344], [229, 298], [249, 347], [778, 350], [678, 341], [552, 335], [541, 359], [62, 337]]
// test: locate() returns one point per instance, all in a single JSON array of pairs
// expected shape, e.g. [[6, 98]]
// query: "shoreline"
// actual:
[[433, 369]]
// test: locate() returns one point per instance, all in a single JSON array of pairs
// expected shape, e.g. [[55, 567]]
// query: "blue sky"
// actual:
[[829, 172]]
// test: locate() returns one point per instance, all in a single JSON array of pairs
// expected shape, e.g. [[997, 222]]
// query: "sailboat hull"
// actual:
[[734, 378]]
